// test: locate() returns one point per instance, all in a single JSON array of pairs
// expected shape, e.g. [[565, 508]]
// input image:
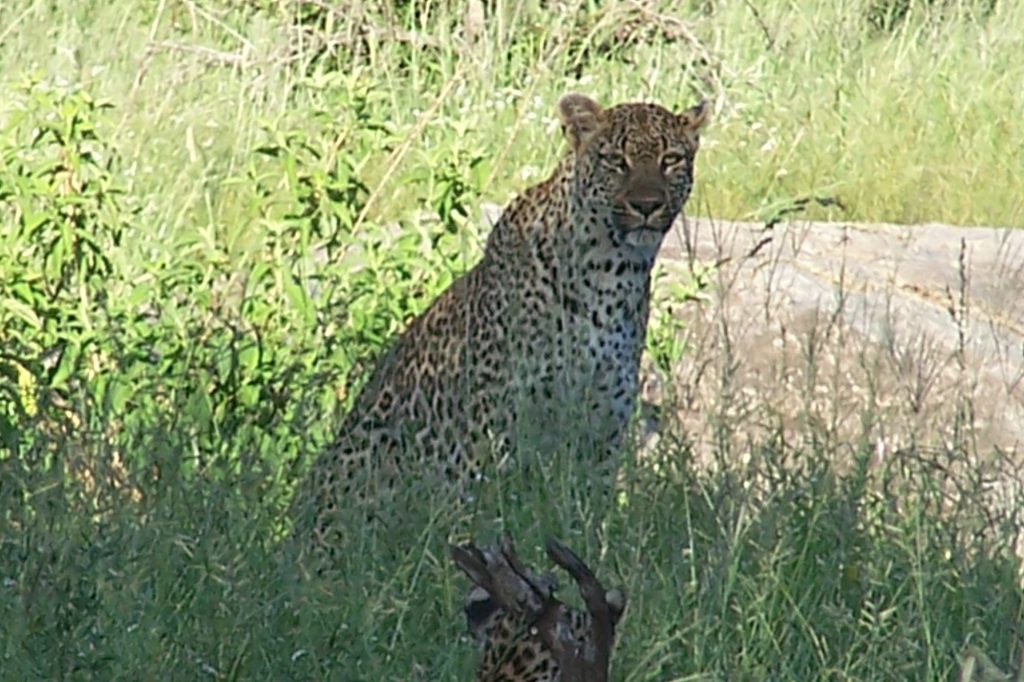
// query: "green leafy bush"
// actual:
[[239, 340]]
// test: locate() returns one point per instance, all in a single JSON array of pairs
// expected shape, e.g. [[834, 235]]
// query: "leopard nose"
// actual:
[[646, 205]]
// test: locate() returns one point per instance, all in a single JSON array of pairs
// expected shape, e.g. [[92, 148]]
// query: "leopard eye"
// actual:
[[615, 161], [670, 160]]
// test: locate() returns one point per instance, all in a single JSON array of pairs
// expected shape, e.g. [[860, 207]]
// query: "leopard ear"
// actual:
[[694, 118], [581, 118]]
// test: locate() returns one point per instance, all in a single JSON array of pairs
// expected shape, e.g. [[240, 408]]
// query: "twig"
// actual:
[[206, 53]]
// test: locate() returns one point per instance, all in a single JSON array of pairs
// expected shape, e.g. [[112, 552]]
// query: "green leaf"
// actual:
[[22, 311], [248, 358], [199, 409], [67, 366], [118, 396], [249, 395], [298, 299]]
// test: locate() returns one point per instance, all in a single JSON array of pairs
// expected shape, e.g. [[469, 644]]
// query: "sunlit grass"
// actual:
[[141, 535], [922, 122]]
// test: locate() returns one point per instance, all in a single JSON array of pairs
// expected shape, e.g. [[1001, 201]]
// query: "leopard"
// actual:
[[539, 344], [513, 650]]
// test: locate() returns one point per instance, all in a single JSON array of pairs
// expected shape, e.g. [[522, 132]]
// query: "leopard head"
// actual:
[[633, 166]]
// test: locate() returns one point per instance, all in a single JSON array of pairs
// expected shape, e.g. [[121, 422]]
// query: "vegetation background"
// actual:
[[215, 213]]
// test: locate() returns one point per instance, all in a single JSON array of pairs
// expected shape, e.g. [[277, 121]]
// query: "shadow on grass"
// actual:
[[780, 568]]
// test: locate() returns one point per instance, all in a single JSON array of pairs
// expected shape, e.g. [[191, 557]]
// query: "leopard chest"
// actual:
[[613, 322], [579, 336], [602, 324]]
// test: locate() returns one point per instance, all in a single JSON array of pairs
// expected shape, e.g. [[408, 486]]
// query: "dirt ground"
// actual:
[[887, 334]]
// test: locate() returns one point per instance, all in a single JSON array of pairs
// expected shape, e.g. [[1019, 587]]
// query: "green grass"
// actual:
[[194, 279], [920, 122], [754, 573]]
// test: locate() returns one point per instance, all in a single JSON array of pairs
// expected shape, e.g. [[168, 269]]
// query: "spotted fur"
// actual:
[[512, 648], [539, 344]]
